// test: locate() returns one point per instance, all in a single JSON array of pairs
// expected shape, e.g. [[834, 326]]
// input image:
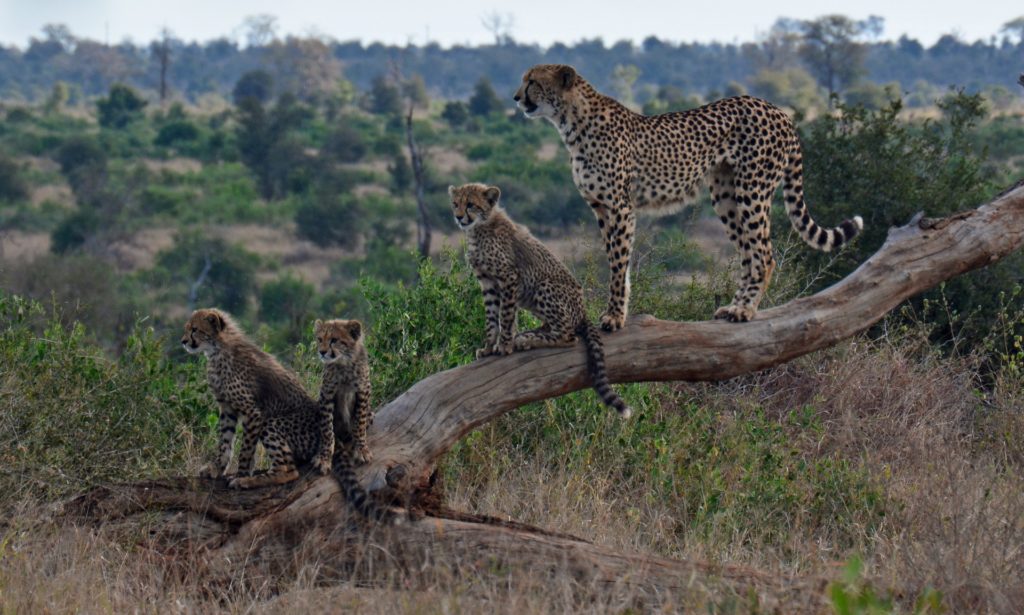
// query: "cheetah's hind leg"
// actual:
[[543, 337]]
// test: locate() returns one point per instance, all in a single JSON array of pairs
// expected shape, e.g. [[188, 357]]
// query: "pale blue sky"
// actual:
[[459, 21]]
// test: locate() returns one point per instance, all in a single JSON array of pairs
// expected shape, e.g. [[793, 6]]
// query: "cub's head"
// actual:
[[203, 330], [337, 339], [544, 90], [473, 203]]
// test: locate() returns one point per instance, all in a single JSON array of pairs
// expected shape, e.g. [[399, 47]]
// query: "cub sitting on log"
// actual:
[[516, 270]]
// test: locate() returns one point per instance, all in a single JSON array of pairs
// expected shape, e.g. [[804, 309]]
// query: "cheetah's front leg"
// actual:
[[507, 318], [491, 301], [617, 228]]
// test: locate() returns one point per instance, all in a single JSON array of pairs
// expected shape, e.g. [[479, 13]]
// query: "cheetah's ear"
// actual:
[[318, 326], [566, 77], [451, 192], [355, 329], [217, 321], [492, 194]]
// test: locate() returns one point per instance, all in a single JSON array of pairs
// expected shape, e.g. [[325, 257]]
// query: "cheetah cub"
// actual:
[[252, 387], [346, 383], [516, 270]]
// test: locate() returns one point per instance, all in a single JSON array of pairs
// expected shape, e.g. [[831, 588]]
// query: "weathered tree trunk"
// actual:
[[411, 432]]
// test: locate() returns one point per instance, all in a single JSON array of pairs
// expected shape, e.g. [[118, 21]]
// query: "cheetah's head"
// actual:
[[544, 90], [473, 203], [203, 330], [337, 340]]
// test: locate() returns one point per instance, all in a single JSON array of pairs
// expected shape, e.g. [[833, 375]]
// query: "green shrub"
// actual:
[[12, 180], [70, 418], [176, 132], [120, 107], [328, 221], [230, 279]]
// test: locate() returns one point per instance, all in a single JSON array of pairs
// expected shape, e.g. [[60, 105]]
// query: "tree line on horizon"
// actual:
[[831, 54]]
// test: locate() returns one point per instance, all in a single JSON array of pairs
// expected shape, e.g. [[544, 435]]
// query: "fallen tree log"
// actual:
[[412, 431]]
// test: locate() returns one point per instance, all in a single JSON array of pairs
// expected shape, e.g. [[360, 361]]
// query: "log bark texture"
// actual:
[[413, 430]]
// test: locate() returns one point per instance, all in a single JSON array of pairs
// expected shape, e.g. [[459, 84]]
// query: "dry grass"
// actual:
[[949, 463]]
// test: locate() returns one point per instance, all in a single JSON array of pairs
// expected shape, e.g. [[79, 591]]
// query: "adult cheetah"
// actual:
[[624, 162]]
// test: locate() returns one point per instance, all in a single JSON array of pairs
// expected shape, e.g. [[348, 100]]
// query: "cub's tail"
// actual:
[[825, 239], [595, 363], [344, 472]]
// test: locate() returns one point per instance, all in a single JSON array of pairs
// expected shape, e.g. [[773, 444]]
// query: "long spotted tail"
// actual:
[[816, 236], [595, 363], [344, 472]]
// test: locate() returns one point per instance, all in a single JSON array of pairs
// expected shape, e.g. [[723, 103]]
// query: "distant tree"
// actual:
[[176, 131], [831, 50], [484, 100], [211, 271], [57, 99], [306, 67], [83, 161], [500, 26], [345, 144], [401, 174], [121, 106], [12, 182], [255, 84], [385, 99], [415, 91], [1015, 28], [267, 144], [260, 29], [286, 299], [330, 219], [623, 79], [669, 98], [161, 50], [455, 113], [791, 87]]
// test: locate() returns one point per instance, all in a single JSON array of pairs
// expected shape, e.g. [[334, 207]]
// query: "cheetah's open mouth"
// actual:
[[529, 106]]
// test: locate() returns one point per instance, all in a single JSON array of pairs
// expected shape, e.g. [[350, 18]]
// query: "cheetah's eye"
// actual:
[[334, 340]]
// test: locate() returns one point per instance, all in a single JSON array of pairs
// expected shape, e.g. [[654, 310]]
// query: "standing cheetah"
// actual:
[[516, 270], [251, 386], [624, 162]]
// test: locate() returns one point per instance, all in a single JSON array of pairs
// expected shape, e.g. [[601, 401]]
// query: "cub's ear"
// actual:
[[451, 191], [492, 194], [566, 77], [355, 329], [217, 321], [318, 326]]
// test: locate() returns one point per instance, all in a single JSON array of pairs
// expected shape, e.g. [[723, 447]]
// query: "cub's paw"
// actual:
[[504, 348], [486, 351], [210, 470], [322, 466], [734, 313], [612, 321], [362, 455], [240, 482]]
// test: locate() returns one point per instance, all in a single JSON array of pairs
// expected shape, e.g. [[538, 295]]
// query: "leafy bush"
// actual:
[[230, 279], [74, 230], [122, 106], [71, 418], [176, 132], [80, 288], [286, 299], [12, 182], [876, 165], [328, 221]]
